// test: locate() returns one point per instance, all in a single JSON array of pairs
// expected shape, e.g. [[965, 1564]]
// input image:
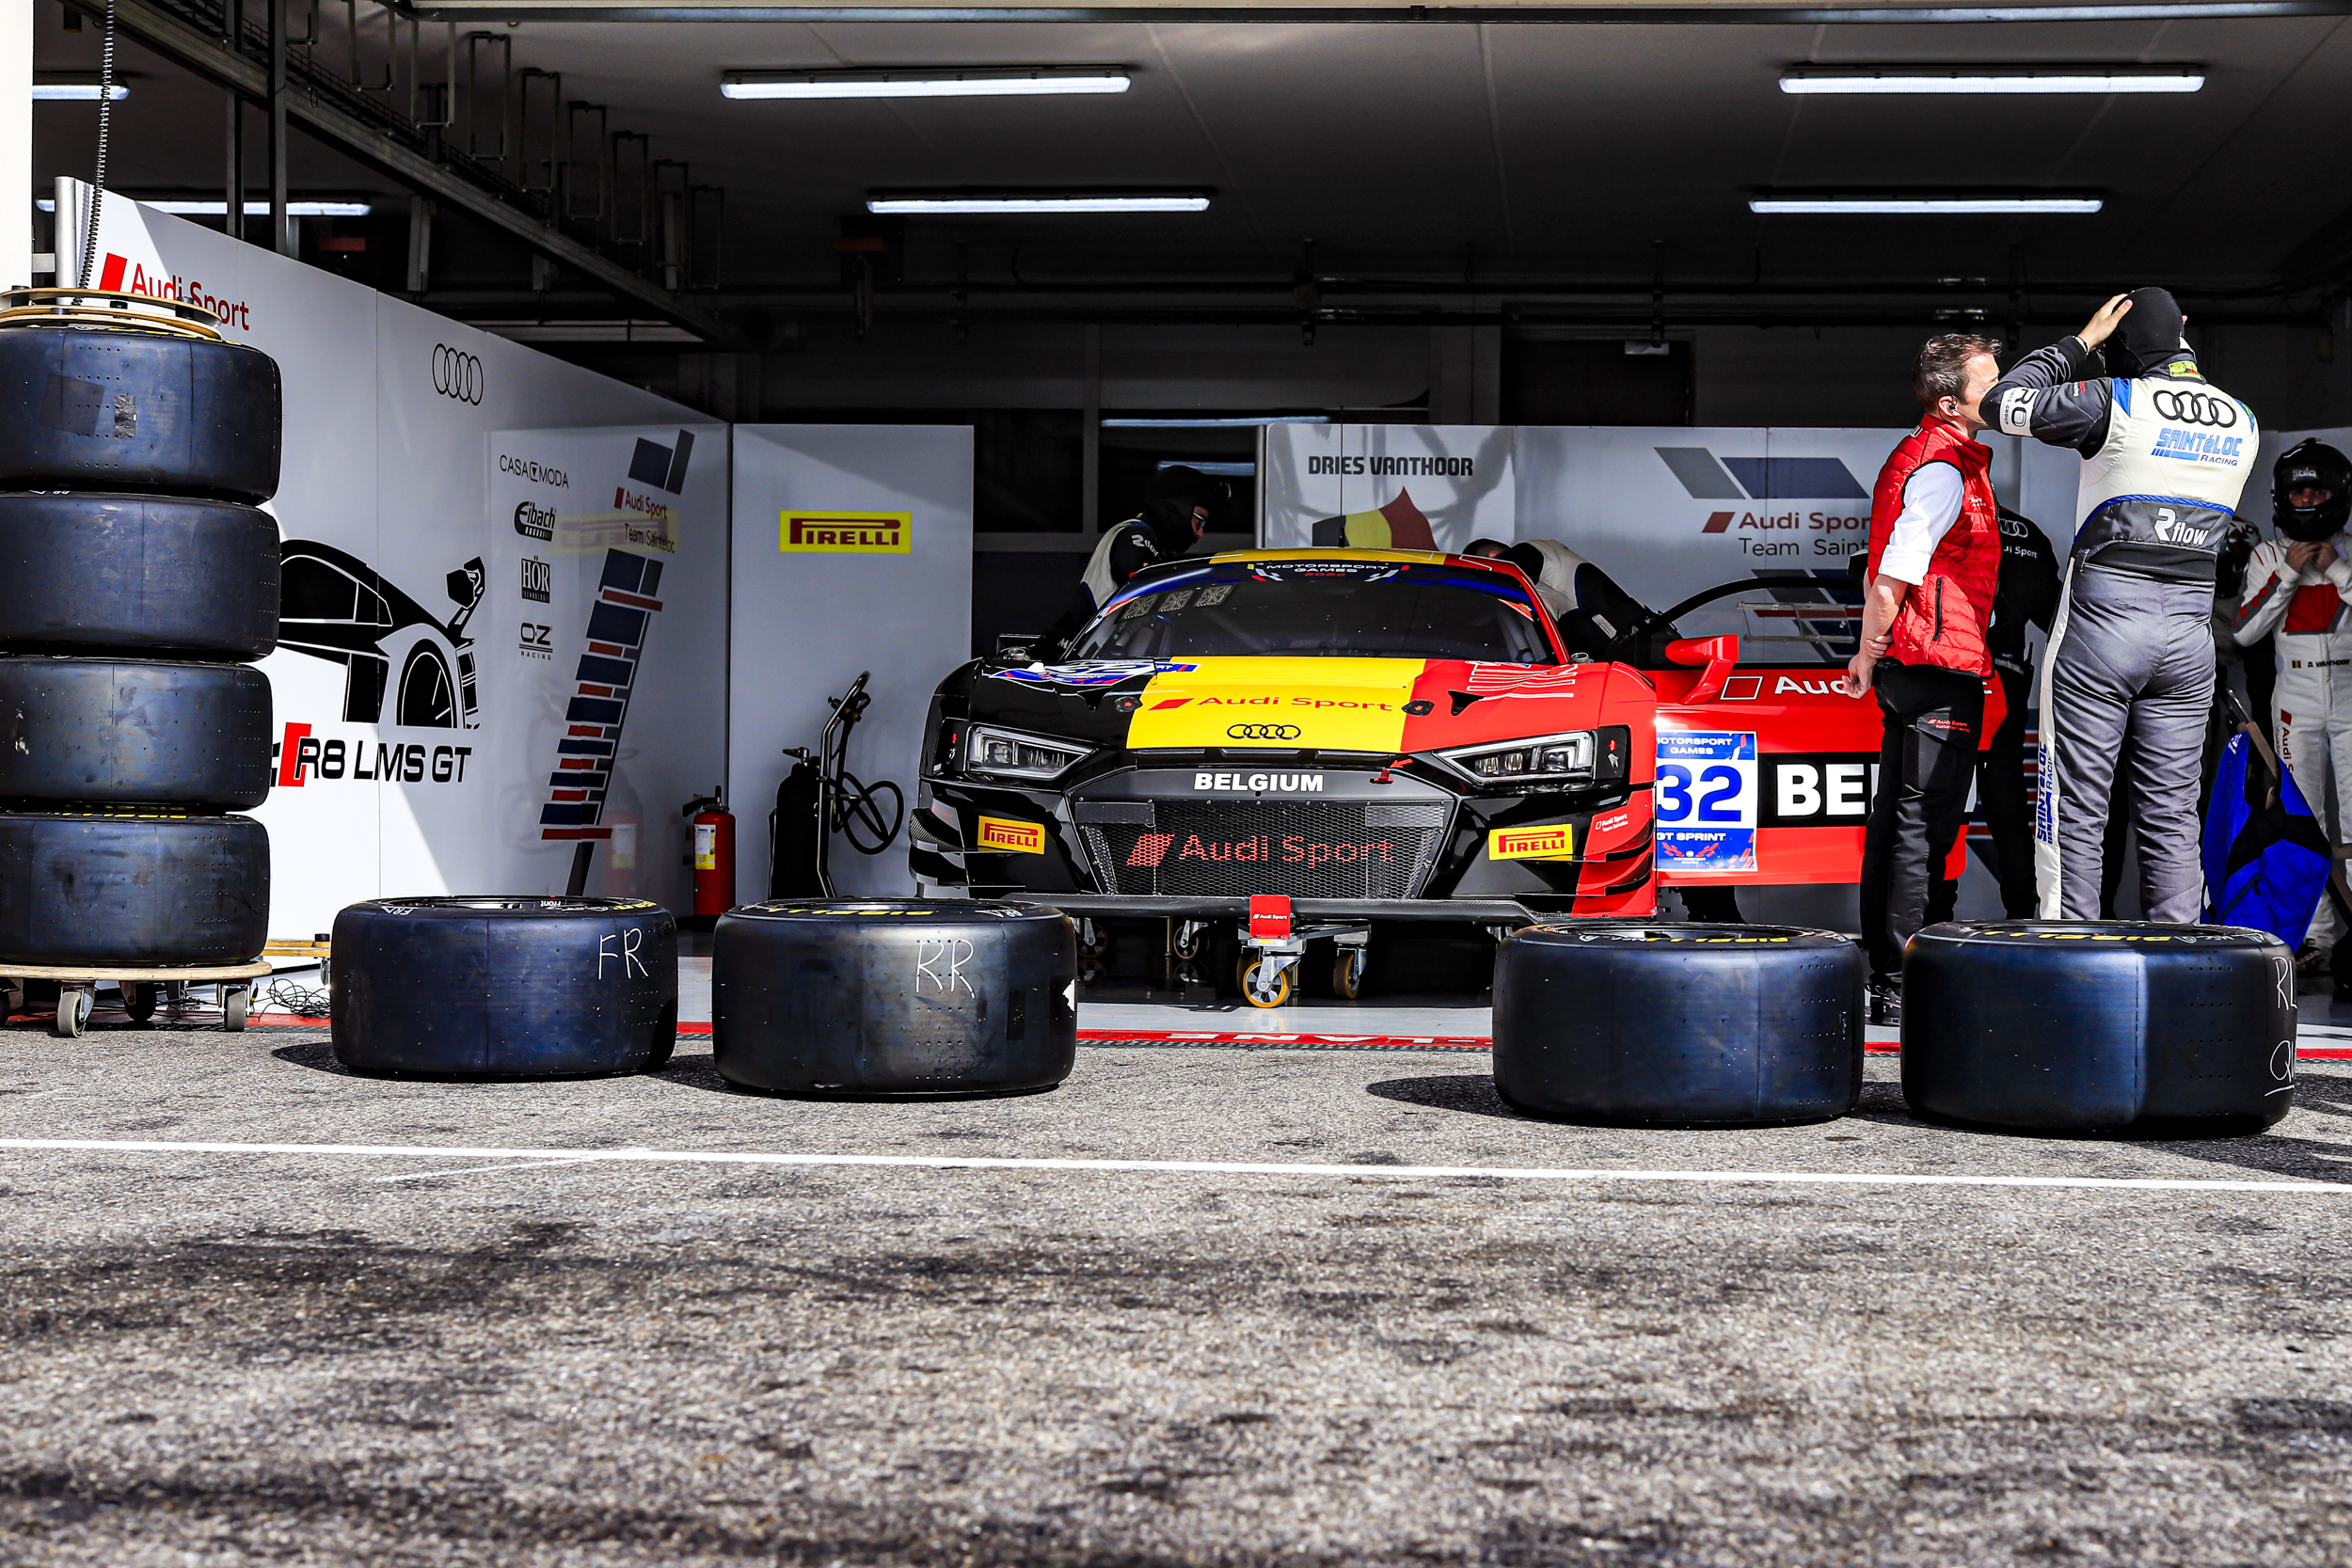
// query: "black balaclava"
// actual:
[[2149, 336], [1167, 502], [2312, 464]]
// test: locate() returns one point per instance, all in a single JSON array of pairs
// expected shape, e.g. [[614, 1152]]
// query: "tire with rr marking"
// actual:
[[104, 410], [521, 987], [894, 997], [1661, 1024], [147, 575], [2099, 1026]]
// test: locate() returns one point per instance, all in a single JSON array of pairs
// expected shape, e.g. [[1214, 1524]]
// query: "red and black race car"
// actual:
[[1299, 742]]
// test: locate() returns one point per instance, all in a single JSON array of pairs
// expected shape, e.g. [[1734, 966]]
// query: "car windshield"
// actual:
[[1360, 608]]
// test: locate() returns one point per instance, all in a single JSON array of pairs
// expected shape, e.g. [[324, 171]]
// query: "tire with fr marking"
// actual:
[[2099, 1026], [134, 889], [155, 575], [894, 997], [134, 732], [523, 986], [106, 410], [1660, 1024]]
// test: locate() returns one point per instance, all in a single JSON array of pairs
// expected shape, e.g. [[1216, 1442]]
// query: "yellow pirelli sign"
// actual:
[[845, 532], [1022, 838], [1554, 843]]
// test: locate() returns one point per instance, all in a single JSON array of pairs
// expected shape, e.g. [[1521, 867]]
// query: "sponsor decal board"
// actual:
[[444, 569]]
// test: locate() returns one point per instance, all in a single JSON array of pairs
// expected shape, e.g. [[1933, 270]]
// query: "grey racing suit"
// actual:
[[2128, 677]]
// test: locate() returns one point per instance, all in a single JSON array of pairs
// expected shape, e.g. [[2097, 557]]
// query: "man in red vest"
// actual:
[[1935, 559]]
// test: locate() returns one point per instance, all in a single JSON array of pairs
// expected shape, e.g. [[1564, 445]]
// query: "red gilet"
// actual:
[[1942, 619]]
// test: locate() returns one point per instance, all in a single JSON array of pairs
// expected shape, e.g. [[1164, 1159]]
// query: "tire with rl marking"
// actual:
[[894, 998], [524, 987]]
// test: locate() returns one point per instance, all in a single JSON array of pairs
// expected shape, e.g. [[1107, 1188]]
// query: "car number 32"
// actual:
[[1714, 791]]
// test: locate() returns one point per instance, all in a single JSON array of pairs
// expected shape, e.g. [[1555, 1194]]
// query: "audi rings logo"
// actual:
[[457, 374], [1263, 732], [2197, 408]]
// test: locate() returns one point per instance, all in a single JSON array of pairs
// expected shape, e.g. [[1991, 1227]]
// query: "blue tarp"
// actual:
[[2267, 861]]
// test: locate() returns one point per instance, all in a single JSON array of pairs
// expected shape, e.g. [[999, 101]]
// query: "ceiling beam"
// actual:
[[1771, 13], [203, 53]]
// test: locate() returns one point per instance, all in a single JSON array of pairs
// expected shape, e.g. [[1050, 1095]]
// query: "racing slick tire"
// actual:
[[132, 888], [525, 987], [147, 575], [100, 410], [2099, 1026], [134, 732], [873, 998], [1656, 1024]]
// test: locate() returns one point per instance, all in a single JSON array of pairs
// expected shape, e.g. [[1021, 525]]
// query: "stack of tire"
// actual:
[[140, 576]]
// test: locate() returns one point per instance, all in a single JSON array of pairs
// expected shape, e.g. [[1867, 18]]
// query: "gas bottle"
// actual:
[[712, 855]]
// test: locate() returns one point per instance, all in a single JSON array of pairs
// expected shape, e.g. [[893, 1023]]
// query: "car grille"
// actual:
[[1305, 848]]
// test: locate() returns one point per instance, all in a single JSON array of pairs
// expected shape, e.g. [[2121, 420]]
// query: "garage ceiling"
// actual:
[[1470, 159]]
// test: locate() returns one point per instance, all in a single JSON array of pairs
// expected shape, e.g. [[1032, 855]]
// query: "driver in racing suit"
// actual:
[[2296, 590], [1175, 513], [2129, 676]]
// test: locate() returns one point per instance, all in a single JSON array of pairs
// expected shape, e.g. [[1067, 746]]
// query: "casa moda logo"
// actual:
[[845, 532], [1556, 842], [1762, 528]]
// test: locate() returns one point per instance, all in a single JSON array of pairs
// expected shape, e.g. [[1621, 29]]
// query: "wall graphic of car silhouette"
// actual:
[[334, 606]]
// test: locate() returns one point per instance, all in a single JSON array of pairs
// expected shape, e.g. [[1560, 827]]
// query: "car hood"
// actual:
[[1392, 706]]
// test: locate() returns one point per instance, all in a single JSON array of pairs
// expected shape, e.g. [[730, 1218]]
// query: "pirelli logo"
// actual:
[[1532, 844], [1022, 838], [845, 532]]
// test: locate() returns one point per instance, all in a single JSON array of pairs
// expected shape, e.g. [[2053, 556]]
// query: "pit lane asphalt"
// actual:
[[239, 1357]]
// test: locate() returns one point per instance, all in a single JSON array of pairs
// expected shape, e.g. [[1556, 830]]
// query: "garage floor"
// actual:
[[261, 1310]]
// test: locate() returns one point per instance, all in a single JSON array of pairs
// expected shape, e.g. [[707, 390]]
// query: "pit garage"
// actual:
[[876, 784]]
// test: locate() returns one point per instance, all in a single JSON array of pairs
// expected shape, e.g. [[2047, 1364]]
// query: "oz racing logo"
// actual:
[[2196, 408], [1263, 732], [457, 374]]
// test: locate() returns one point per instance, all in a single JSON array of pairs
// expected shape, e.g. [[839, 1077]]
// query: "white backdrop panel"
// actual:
[[806, 623]]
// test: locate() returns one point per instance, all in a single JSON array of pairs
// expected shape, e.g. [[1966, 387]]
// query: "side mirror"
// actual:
[[1719, 655]]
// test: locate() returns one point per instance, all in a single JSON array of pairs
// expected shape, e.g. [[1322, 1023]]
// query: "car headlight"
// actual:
[[1010, 754], [1559, 759]]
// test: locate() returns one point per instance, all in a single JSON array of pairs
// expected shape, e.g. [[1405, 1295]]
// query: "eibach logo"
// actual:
[[1022, 838]]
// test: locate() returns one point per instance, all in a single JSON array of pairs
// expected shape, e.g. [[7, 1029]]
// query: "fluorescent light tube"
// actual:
[[252, 208], [1072, 202], [1217, 421], [76, 92], [1923, 206], [1990, 80], [1022, 82]]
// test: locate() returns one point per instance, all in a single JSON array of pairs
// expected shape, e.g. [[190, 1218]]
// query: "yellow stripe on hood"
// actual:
[[1342, 704]]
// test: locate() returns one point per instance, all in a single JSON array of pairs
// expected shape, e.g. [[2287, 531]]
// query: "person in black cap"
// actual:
[[2127, 682], [1175, 513]]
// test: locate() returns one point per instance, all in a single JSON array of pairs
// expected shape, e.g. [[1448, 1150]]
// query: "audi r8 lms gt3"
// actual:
[[1376, 734]]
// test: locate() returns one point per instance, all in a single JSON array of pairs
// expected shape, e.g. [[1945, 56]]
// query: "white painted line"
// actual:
[[1197, 1167]]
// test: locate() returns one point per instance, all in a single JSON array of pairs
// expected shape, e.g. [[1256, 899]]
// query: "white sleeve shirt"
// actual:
[[1932, 497]]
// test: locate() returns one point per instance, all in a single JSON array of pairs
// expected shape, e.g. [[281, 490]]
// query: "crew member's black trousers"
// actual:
[[1925, 755], [2007, 805]]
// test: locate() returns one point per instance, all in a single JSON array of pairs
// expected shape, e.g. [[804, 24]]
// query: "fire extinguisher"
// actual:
[[713, 856]]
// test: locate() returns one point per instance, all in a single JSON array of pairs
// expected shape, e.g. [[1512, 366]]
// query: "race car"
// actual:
[[1298, 742]]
